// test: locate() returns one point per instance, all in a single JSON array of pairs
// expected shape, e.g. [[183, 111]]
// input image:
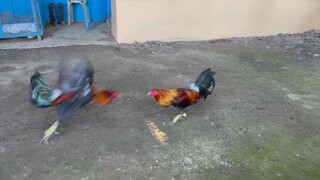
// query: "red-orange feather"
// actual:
[[102, 97], [177, 97], [64, 97]]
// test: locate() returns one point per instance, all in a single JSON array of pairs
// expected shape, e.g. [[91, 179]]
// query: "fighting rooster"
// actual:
[[183, 98], [75, 90]]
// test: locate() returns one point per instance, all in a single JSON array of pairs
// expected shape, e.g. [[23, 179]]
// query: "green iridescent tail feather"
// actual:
[[40, 93]]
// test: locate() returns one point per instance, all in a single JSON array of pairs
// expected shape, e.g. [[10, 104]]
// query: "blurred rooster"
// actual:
[[75, 90], [183, 98]]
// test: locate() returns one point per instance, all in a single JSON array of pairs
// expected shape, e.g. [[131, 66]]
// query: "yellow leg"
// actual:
[[179, 117], [48, 133]]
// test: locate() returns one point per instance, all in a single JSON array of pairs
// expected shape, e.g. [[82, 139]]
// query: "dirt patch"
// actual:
[[262, 121], [7, 69]]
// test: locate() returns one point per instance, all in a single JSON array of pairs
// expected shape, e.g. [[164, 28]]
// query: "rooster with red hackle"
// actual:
[[183, 98]]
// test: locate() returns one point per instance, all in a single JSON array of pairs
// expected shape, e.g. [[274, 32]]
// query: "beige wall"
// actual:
[[170, 20]]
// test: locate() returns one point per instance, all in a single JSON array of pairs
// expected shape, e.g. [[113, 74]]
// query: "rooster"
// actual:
[[183, 98], [75, 90]]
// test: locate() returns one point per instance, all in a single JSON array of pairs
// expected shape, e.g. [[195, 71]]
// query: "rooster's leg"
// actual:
[[181, 116], [49, 132], [184, 110]]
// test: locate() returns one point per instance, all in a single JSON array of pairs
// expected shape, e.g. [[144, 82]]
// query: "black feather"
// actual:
[[75, 75], [204, 82], [40, 94], [36, 79]]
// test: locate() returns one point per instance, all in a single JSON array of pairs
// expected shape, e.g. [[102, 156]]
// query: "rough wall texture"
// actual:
[[167, 20]]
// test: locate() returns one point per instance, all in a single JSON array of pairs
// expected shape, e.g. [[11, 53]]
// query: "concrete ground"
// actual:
[[261, 122], [57, 36]]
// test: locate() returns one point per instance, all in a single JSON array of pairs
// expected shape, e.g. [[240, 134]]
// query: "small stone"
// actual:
[[2, 149], [293, 97], [247, 132], [188, 160]]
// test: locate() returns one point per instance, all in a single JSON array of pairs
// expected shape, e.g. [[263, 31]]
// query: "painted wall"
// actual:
[[114, 18], [169, 20], [100, 10]]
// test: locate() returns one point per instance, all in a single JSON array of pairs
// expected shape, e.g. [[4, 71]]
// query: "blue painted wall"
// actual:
[[108, 8], [100, 10]]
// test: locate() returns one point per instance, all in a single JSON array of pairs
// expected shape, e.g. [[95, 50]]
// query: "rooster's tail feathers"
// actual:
[[36, 79], [204, 82]]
